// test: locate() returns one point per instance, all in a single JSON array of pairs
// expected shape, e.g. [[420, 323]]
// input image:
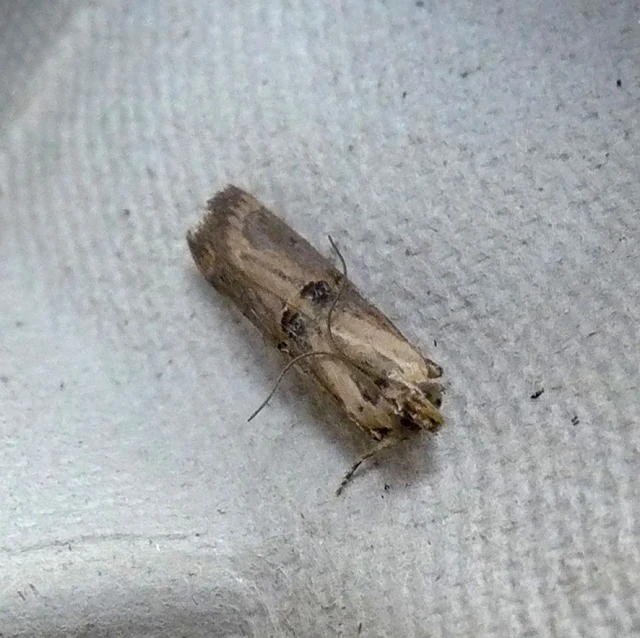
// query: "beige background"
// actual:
[[478, 164]]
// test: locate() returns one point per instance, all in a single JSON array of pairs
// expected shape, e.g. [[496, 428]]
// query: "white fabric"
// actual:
[[477, 164]]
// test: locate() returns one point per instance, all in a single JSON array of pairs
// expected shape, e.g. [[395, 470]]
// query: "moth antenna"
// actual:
[[304, 355], [286, 369], [340, 291], [382, 445]]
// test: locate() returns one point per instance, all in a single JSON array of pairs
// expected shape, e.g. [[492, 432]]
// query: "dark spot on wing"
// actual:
[[293, 324], [316, 291]]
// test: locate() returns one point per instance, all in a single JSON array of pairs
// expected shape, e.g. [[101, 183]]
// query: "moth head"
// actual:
[[417, 405], [432, 391]]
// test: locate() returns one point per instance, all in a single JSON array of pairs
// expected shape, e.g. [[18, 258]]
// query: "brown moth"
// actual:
[[316, 317]]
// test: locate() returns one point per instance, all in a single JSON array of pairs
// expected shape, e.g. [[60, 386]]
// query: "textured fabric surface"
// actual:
[[477, 163]]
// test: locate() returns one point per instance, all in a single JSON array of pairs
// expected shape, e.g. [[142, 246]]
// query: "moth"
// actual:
[[316, 317]]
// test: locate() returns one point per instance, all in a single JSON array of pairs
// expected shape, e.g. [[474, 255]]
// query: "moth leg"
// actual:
[[382, 445]]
